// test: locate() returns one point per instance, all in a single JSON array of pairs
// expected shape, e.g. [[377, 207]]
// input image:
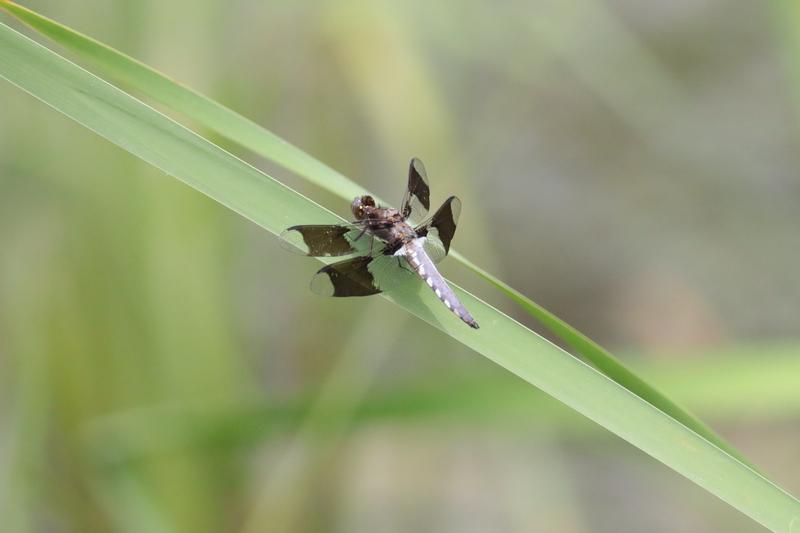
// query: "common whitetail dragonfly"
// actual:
[[392, 240]]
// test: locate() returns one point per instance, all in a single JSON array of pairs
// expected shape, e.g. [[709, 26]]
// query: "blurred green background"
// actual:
[[632, 166]]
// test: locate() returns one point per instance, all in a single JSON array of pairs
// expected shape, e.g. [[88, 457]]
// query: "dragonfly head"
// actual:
[[360, 206]]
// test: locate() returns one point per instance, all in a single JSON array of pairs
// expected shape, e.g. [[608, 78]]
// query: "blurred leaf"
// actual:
[[181, 153], [757, 382], [787, 16], [212, 115]]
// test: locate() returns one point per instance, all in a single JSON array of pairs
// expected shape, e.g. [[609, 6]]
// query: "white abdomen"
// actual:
[[422, 265]]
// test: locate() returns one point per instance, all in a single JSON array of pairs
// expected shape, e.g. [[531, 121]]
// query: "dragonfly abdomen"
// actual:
[[424, 267]]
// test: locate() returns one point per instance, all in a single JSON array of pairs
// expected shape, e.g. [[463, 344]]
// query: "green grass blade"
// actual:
[[153, 137], [604, 361], [229, 124], [199, 108], [754, 383]]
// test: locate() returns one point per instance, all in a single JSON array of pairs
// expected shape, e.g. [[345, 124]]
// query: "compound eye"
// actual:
[[368, 200], [355, 207]]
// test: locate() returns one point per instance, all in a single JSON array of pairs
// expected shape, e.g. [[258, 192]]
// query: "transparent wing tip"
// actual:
[[455, 208], [322, 285], [292, 241]]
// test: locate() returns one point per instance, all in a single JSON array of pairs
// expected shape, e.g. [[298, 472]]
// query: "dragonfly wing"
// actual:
[[417, 198], [325, 240], [440, 229]]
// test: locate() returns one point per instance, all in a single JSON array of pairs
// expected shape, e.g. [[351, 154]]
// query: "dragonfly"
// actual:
[[393, 238]]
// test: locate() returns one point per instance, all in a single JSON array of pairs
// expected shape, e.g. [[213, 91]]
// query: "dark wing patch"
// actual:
[[321, 240], [417, 199], [351, 277], [442, 225]]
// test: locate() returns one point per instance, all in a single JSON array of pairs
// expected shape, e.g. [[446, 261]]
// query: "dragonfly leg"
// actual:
[[401, 265]]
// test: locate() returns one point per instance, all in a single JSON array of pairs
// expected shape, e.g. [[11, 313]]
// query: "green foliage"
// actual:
[[212, 115], [177, 151]]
